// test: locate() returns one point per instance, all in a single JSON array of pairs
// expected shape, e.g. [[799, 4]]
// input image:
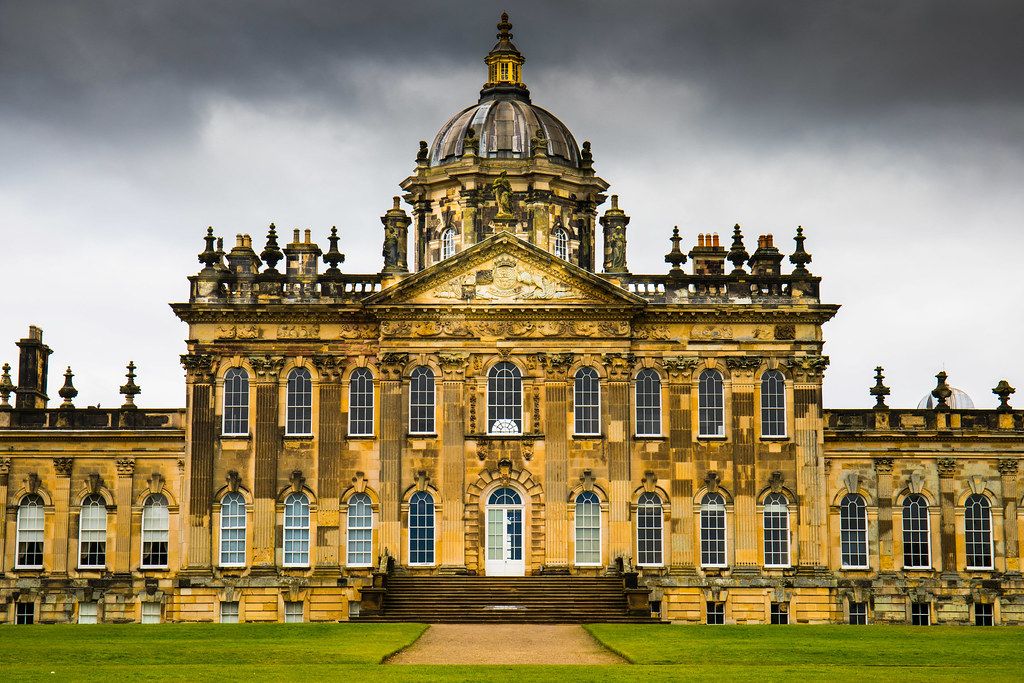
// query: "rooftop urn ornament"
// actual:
[[6, 386], [942, 392], [676, 257], [737, 252], [219, 265], [879, 391], [271, 253], [130, 389], [800, 258], [333, 257], [209, 257], [1003, 390], [68, 391]]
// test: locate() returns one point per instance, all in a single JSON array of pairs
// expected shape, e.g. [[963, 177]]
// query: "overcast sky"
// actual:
[[892, 131]]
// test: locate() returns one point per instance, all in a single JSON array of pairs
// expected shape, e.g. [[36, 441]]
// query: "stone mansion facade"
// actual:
[[505, 398]]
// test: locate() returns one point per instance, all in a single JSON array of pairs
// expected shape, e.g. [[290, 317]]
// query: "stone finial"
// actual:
[[800, 258], [1003, 390], [219, 265], [6, 386], [879, 391], [737, 252], [333, 257], [68, 391], [271, 253], [942, 392], [675, 257], [208, 257], [130, 389]]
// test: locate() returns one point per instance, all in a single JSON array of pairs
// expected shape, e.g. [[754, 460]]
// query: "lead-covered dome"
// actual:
[[504, 123], [958, 400]]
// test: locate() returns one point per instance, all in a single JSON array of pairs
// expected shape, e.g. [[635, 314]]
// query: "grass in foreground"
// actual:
[[249, 652]]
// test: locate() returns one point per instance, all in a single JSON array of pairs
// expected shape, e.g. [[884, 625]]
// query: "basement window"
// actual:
[[716, 613], [920, 614], [780, 612], [858, 613], [983, 614], [25, 613]]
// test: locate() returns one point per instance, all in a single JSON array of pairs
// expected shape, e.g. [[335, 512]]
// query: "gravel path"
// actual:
[[506, 644]]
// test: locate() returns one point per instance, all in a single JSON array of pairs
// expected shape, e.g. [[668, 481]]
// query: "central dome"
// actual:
[[504, 121], [504, 124]]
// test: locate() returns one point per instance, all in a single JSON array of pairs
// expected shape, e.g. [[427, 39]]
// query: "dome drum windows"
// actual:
[[560, 239], [504, 399], [447, 243]]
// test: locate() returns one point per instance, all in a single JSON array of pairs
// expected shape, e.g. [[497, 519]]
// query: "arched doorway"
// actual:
[[505, 533]]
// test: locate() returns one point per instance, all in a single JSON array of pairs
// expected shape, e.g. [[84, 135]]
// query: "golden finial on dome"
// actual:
[[504, 61]]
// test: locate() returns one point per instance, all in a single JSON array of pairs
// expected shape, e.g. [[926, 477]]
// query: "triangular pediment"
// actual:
[[505, 270]]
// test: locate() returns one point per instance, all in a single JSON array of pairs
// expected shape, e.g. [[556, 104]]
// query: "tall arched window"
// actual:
[[360, 403], [447, 243], [712, 530], [648, 403], [853, 531], [236, 401], [711, 404], [300, 402], [360, 531], [155, 529], [232, 530], [773, 404], [586, 400], [649, 525], [30, 532], [978, 532], [296, 530], [92, 533], [776, 530], [422, 399], [916, 546], [562, 244], [504, 399], [421, 528], [588, 529]]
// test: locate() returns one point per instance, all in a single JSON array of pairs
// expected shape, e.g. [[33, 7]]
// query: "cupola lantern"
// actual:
[[504, 61]]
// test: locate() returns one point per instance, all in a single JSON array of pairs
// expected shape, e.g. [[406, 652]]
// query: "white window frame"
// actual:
[[586, 374], [425, 375], [223, 521], [647, 390], [360, 501], [646, 502], [561, 246], [592, 523], [447, 243], [151, 528], [844, 528], [235, 399], [101, 534], [773, 402], [31, 501], [772, 500], [296, 521], [711, 413], [714, 503], [358, 389], [88, 612], [294, 612], [968, 555], [231, 615], [415, 517], [925, 532], [299, 403], [511, 408], [151, 613]]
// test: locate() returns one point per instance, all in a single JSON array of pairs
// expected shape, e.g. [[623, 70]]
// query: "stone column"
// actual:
[[329, 444], [123, 520], [680, 444], [267, 445], [420, 211], [61, 514], [471, 232], [883, 476], [392, 434], [200, 441], [556, 459], [809, 439], [742, 369], [537, 204], [619, 367], [947, 502], [453, 462], [5, 476], [1008, 477]]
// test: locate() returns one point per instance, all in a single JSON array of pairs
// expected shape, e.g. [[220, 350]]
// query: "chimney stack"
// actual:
[[32, 364]]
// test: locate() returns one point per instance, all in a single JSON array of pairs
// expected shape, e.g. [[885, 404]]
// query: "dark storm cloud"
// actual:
[[779, 65]]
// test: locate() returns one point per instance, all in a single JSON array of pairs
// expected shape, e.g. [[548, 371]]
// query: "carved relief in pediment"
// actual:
[[507, 279]]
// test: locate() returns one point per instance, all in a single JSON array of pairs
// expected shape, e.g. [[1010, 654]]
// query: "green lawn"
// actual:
[[252, 652]]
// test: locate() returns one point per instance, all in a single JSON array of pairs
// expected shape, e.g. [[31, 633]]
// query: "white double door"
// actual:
[[505, 541]]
